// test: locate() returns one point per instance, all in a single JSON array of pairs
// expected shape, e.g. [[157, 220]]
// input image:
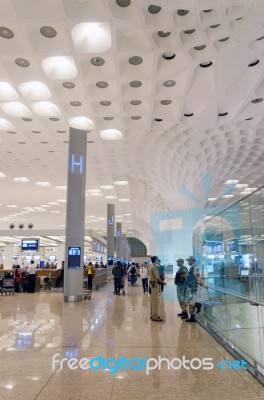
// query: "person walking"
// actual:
[[193, 279], [179, 281], [133, 274], [32, 276], [144, 276], [91, 275], [154, 279], [118, 273]]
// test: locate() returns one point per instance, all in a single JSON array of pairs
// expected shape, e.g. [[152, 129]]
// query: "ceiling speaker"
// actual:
[[30, 226], [12, 226]]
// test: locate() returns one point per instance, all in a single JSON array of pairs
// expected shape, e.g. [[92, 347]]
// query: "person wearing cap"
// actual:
[[179, 281], [154, 279], [193, 279]]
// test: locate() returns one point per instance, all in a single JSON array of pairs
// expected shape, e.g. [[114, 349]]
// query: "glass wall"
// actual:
[[229, 248]]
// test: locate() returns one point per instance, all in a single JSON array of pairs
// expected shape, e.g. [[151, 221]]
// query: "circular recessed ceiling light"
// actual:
[[222, 114], [260, 38], [135, 60], [123, 3], [22, 62], [12, 132], [255, 101], [206, 64], [37, 132], [102, 84], [207, 11], [165, 102], [188, 114], [75, 103], [27, 119], [154, 9], [189, 31], [238, 19], [68, 85], [224, 39], [108, 118], [158, 119], [201, 47], [135, 84], [136, 117], [169, 55], [54, 119], [48, 31], [253, 63], [182, 13], [164, 33], [135, 102], [61, 131], [97, 61], [248, 119], [215, 26], [169, 83], [44, 142], [105, 103], [6, 33]]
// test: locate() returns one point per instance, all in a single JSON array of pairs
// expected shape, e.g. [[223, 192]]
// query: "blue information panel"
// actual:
[[74, 257]]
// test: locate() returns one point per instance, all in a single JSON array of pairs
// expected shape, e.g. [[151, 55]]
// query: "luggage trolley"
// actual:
[[87, 294], [8, 286]]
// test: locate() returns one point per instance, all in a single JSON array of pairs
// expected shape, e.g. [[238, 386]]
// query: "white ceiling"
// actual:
[[162, 150]]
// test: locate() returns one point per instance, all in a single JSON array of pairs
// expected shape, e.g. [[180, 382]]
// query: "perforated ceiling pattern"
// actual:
[[182, 80]]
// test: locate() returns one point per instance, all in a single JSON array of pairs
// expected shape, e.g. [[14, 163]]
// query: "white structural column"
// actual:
[[75, 216], [124, 247], [8, 254], [119, 252], [110, 234], [60, 254]]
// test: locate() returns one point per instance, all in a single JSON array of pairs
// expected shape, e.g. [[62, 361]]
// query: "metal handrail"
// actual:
[[256, 302]]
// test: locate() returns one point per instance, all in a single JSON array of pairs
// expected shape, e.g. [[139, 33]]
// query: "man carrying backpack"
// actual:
[[193, 279], [179, 281], [133, 274]]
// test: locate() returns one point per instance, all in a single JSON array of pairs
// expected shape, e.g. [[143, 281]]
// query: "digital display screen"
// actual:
[[29, 245], [74, 257], [110, 261]]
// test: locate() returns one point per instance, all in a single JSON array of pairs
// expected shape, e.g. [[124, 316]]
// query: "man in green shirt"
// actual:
[[154, 279]]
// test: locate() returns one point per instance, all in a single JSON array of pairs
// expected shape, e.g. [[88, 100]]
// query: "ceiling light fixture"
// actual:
[[169, 55], [120, 183], [169, 83], [253, 63], [22, 62], [111, 134], [206, 64], [97, 61], [21, 179], [81, 123], [110, 197], [258, 100], [59, 67], [152, 9], [107, 187], [135, 102], [135, 84], [124, 200], [108, 118], [135, 60], [182, 13], [164, 34], [2, 175], [136, 117], [123, 3], [165, 102], [102, 84], [231, 182], [105, 103], [75, 103], [260, 38], [68, 85], [6, 33], [188, 115], [48, 32], [189, 31], [223, 114], [201, 47], [215, 26], [44, 184], [224, 39]]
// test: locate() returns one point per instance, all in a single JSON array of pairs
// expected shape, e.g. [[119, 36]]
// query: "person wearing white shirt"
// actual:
[[32, 276], [144, 277]]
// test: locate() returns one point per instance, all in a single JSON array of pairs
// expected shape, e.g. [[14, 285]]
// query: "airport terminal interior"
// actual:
[[128, 129]]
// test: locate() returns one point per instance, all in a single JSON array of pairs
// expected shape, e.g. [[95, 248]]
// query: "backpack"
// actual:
[[133, 270]]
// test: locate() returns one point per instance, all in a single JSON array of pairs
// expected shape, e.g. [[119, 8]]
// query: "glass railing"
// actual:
[[237, 322]]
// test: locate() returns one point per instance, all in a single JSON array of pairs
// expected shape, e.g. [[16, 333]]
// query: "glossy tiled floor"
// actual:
[[33, 327]]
